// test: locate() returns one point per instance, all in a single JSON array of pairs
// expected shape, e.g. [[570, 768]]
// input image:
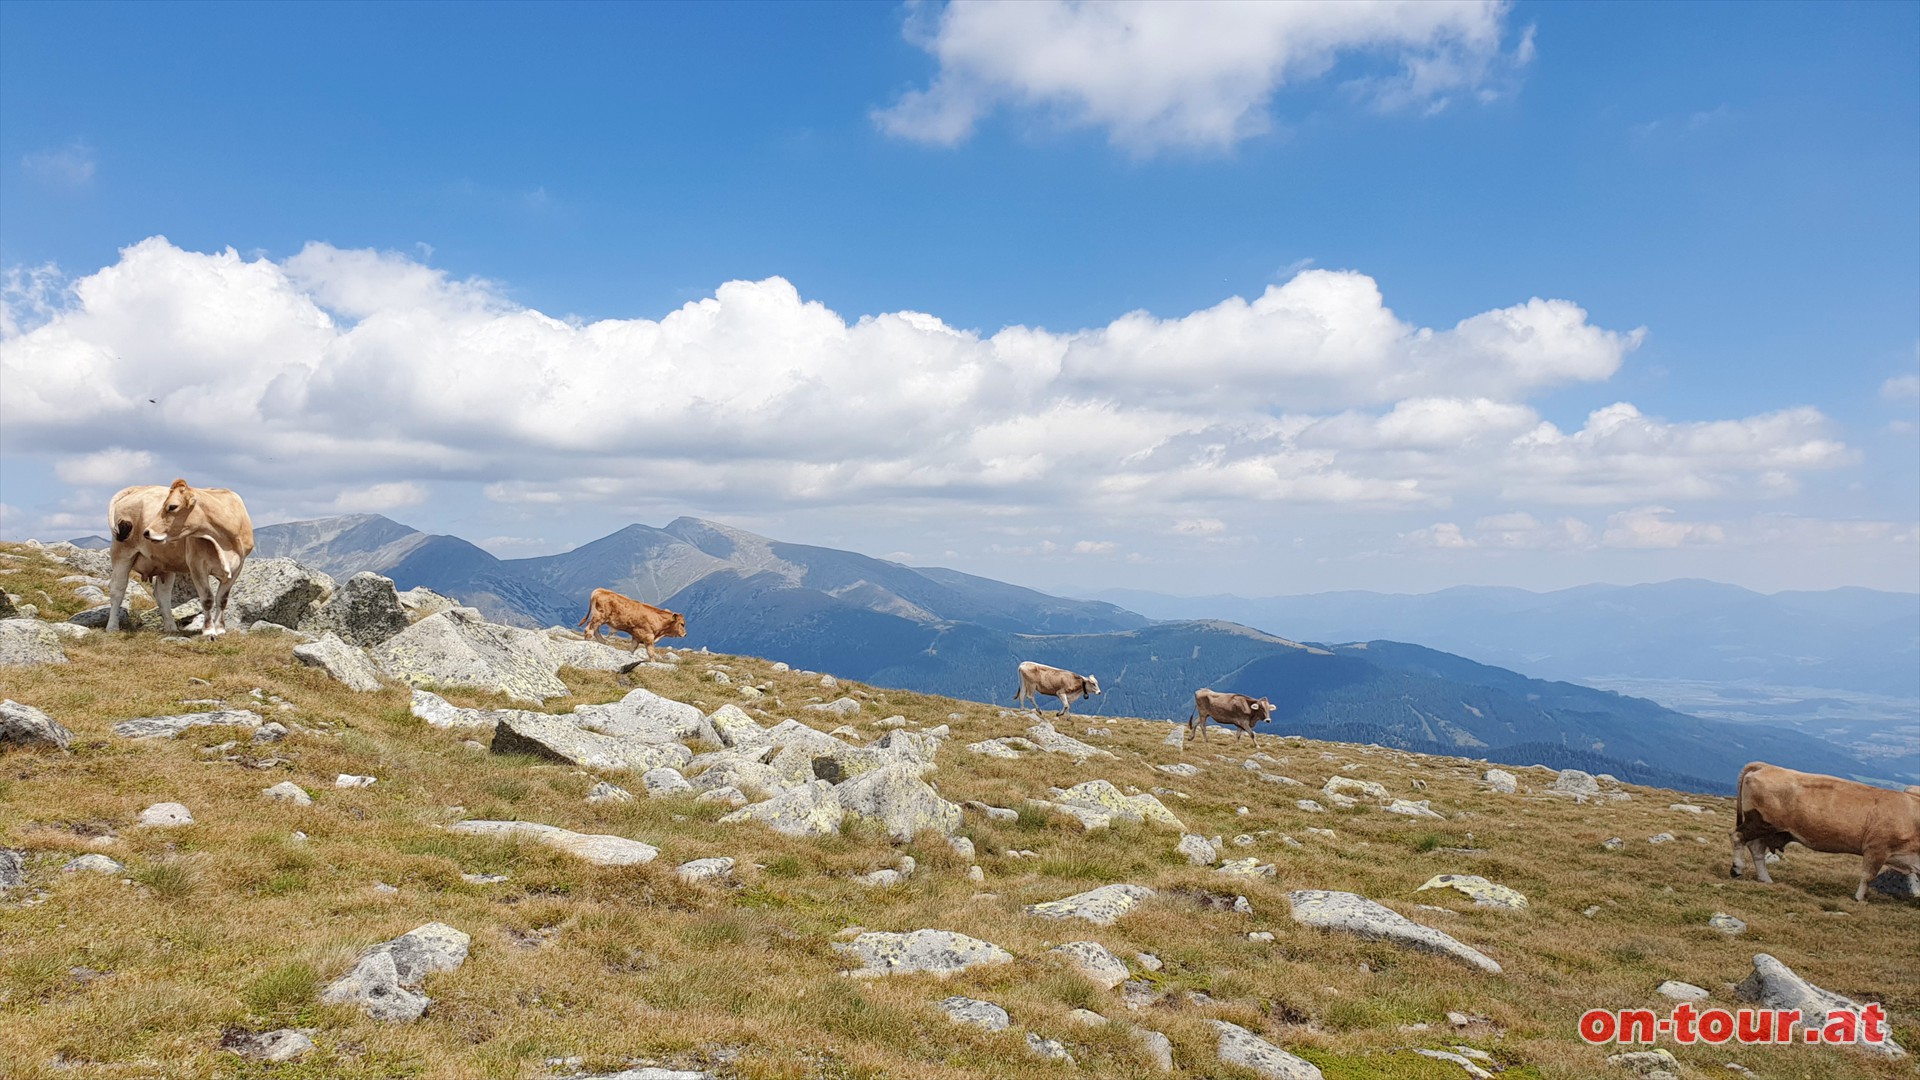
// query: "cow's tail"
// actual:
[[123, 529]]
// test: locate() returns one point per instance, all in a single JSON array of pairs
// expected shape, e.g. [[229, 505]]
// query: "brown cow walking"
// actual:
[[644, 623], [1776, 806], [1036, 679], [1237, 711]]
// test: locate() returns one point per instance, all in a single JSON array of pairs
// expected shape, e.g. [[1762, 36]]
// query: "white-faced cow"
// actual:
[[165, 533], [644, 623], [1237, 711], [1037, 679], [1825, 813]]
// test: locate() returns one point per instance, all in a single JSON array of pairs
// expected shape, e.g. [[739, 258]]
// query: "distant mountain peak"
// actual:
[[751, 551]]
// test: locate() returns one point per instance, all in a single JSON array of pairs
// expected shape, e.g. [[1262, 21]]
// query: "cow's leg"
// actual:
[[117, 588], [1872, 861], [161, 586], [645, 643], [1739, 848], [1757, 851]]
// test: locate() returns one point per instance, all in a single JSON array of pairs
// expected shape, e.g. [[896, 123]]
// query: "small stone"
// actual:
[[1501, 780], [1613, 843], [271, 732], [94, 863], [1238, 1046], [285, 1044], [976, 875], [1727, 924], [599, 849], [1148, 961], [1051, 1049], [937, 951], [1310, 806], [1680, 991], [1482, 892], [981, 1014], [1660, 838], [706, 871], [603, 792], [1197, 850], [288, 791], [1648, 1064], [1158, 1048], [348, 780], [166, 815], [1261, 937], [23, 727], [1093, 960], [1101, 906]]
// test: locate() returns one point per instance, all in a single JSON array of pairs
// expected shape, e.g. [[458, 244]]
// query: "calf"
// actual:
[[644, 623], [1842, 817], [1237, 711], [1037, 679]]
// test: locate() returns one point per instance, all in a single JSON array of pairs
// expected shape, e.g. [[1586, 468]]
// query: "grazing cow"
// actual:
[[1237, 711], [1825, 813], [1037, 679], [644, 623], [162, 533]]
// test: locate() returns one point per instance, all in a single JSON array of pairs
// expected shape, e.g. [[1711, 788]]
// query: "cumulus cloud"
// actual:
[[1653, 527], [351, 380], [1095, 547], [1901, 388], [1198, 74], [69, 166], [114, 467]]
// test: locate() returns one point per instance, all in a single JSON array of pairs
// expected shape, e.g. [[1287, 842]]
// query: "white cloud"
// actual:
[[1200, 527], [1201, 73], [1652, 527], [1442, 535], [69, 166], [113, 467], [1095, 547], [379, 497], [1901, 388], [372, 374]]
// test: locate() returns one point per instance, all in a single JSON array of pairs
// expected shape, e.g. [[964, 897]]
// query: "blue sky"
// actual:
[[1730, 198]]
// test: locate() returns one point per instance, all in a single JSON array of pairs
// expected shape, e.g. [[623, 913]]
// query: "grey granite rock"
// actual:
[[23, 727], [1356, 914]]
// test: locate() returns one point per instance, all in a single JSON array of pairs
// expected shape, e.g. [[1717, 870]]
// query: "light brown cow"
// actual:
[[644, 623], [1237, 711], [162, 533], [1825, 813], [1037, 679]]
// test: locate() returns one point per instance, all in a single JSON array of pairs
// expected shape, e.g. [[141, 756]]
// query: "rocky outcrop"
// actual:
[[1101, 906], [1356, 914], [25, 642], [1103, 796], [599, 849], [1199, 851], [23, 727], [364, 610], [459, 648], [169, 727], [1055, 743], [385, 981], [342, 661], [645, 716], [808, 810], [278, 591], [1574, 782], [561, 738], [895, 798], [1774, 985], [940, 952], [1501, 780]]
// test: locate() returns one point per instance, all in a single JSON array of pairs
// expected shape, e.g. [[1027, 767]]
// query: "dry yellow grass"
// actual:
[[233, 922]]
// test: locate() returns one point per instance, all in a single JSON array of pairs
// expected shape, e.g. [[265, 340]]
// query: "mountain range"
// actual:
[[939, 631]]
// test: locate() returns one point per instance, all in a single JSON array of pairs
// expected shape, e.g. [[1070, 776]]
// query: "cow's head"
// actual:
[[173, 510], [1263, 711], [1091, 685], [677, 626]]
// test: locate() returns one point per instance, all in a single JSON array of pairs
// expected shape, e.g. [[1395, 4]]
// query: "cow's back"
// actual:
[[1825, 813], [227, 513]]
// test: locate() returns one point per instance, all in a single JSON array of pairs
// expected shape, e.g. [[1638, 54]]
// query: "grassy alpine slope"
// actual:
[[233, 922]]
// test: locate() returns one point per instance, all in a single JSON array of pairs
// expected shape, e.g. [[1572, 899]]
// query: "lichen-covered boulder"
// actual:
[[1197, 849], [596, 848], [1774, 985], [385, 981], [23, 727], [647, 717], [939, 952], [278, 591], [1482, 892], [588, 655], [1101, 906], [736, 728], [898, 800], [561, 738], [459, 648], [808, 810], [1353, 789], [344, 662], [1055, 743], [29, 641], [1092, 959], [169, 727], [1356, 914], [1238, 1046], [364, 610], [980, 1014], [1102, 795]]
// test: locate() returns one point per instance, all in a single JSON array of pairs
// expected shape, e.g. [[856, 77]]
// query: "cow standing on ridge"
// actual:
[[644, 623], [1237, 711], [1036, 679], [1841, 817], [161, 533]]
